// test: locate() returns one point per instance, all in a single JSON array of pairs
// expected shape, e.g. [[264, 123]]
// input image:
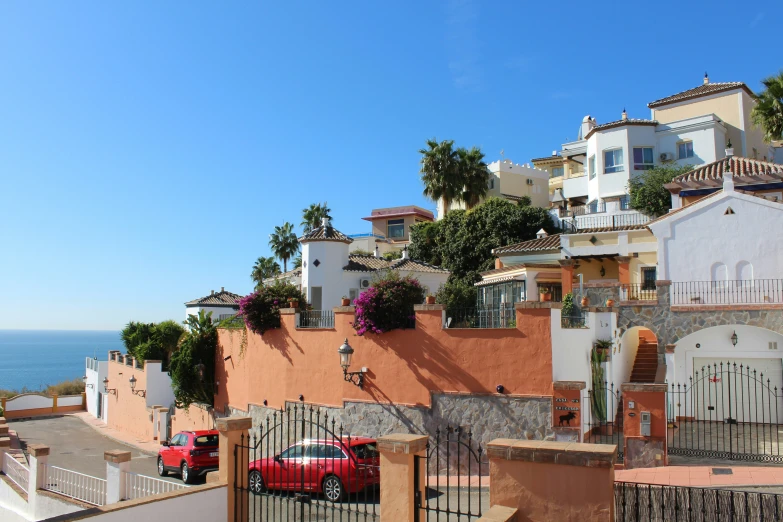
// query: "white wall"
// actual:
[[159, 391], [14, 508], [708, 137], [95, 371], [217, 311], [69, 400], [28, 402], [332, 257], [625, 356], [571, 346]]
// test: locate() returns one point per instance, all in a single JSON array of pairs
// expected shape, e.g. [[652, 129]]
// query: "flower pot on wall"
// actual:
[[585, 301], [345, 301], [293, 303], [430, 299], [610, 302], [546, 296]]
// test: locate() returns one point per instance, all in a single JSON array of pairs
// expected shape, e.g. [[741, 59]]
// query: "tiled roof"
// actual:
[[557, 158], [325, 233], [511, 268], [221, 298], [384, 213], [702, 90], [534, 245], [609, 229], [370, 263], [746, 171], [620, 123]]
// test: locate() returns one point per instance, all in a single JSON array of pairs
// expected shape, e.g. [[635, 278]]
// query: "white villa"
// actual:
[[222, 304]]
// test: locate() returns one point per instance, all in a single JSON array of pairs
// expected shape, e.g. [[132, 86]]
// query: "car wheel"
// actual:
[[161, 468], [187, 478], [333, 489], [256, 482]]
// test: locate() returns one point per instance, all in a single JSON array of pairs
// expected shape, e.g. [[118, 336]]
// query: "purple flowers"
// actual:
[[261, 309], [387, 305]]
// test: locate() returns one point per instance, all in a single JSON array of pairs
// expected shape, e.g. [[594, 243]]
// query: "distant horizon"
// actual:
[[59, 330]]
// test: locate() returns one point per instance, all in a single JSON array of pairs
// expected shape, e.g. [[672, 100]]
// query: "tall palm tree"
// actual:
[[474, 171], [440, 172], [264, 268], [314, 214], [768, 112], [298, 261], [284, 243]]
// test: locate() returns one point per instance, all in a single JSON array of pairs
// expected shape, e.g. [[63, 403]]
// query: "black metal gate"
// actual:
[[725, 411], [300, 465], [603, 415], [456, 484]]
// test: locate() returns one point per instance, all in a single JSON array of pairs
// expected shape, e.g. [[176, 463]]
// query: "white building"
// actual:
[[222, 304], [330, 272], [292, 277], [94, 372]]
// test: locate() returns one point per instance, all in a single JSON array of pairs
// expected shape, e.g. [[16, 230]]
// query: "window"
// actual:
[[491, 183], [178, 440], [684, 149], [558, 172], [294, 452], [591, 164], [366, 451], [206, 440], [395, 228], [625, 203], [325, 451], [643, 158], [613, 161], [648, 278]]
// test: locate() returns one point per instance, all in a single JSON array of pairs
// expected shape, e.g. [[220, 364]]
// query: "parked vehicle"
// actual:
[[333, 467], [189, 453]]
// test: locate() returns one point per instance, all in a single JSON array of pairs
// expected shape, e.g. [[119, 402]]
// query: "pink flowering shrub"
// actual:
[[261, 309], [388, 304]]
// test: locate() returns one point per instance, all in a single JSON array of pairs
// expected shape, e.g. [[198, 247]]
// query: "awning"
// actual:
[[501, 279]]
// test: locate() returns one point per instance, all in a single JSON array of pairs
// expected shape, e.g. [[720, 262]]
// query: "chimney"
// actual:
[[377, 251], [728, 178], [211, 292], [624, 115], [541, 234], [587, 125], [405, 252], [554, 153], [222, 288], [325, 222], [706, 79]]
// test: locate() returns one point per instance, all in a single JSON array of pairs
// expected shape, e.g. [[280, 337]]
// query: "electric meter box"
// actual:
[[645, 424]]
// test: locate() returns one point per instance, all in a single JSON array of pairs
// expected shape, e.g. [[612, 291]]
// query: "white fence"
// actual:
[[139, 486], [16, 471], [79, 486]]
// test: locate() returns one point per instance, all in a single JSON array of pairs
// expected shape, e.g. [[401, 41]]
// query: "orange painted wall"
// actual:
[[192, 419], [404, 365], [128, 412], [655, 403]]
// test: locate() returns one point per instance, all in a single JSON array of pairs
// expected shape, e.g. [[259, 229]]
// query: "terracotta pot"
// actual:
[[546, 297], [430, 299], [610, 302], [345, 302], [293, 303], [585, 301]]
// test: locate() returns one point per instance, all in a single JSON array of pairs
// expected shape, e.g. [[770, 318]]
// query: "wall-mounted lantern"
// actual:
[[86, 384], [200, 372], [106, 388], [140, 393], [346, 354], [734, 338]]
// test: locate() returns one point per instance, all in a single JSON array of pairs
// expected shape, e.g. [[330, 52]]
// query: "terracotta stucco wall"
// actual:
[[193, 419], [128, 412], [404, 365]]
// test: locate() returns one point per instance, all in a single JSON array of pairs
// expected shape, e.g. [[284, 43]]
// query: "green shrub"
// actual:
[[73, 387], [261, 309], [457, 293]]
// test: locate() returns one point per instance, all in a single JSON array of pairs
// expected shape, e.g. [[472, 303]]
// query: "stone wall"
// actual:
[[485, 417], [597, 293]]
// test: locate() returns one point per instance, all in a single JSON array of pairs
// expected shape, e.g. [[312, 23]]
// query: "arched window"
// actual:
[[719, 272], [744, 271]]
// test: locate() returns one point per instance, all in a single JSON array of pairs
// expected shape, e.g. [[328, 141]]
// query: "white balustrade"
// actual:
[[140, 486], [79, 486], [16, 471]]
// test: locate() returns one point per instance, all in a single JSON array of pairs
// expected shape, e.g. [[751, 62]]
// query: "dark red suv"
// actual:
[[333, 467], [189, 453]]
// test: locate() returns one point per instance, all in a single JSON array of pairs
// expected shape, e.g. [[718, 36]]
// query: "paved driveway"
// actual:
[[78, 447]]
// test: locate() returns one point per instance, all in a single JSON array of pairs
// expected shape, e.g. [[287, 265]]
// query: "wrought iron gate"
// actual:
[[603, 413], [453, 489], [300, 465], [725, 411]]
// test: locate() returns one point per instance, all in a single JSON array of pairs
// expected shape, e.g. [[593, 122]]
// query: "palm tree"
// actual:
[[440, 172], [283, 243], [264, 268], [474, 171], [298, 261], [313, 215], [768, 112]]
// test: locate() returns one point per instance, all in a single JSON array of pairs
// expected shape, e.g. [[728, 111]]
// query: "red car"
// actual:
[[189, 453], [331, 467]]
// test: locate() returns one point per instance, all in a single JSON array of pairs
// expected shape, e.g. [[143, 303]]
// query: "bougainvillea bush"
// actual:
[[261, 309], [387, 304]]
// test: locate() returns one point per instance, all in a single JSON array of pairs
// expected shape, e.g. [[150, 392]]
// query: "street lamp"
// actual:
[[140, 393], [346, 353], [734, 338], [86, 384], [106, 388]]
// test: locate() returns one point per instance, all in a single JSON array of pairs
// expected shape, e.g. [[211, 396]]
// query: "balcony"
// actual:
[[738, 292], [503, 316], [575, 224], [638, 292], [316, 319], [575, 186]]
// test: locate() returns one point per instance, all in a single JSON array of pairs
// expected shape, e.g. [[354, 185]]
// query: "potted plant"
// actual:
[[345, 301], [545, 293], [430, 299], [293, 303], [602, 346], [610, 302], [585, 302]]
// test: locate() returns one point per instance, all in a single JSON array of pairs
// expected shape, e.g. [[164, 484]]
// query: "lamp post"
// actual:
[[734, 338], [106, 388], [140, 393], [346, 354], [86, 384]]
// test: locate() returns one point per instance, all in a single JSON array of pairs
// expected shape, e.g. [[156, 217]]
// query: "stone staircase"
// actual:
[[646, 364]]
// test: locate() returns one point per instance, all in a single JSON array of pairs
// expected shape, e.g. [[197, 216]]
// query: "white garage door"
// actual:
[[737, 392]]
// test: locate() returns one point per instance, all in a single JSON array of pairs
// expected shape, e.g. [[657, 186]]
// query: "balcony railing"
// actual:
[[140, 486], [612, 222], [376, 236], [750, 291], [638, 292], [16, 471], [79, 486], [574, 320], [583, 210], [495, 317], [316, 319]]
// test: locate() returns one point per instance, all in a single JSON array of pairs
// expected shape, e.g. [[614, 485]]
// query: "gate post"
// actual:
[[642, 450], [232, 471], [398, 496], [117, 465], [567, 410]]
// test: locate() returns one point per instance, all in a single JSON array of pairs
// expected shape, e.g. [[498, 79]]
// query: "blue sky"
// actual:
[[147, 148]]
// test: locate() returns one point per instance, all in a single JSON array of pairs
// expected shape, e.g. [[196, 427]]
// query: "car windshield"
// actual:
[[366, 451], [206, 440]]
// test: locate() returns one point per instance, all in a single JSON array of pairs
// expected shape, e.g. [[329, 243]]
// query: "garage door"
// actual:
[[737, 392]]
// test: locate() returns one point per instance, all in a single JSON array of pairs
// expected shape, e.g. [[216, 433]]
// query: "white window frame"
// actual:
[[620, 167], [591, 166], [402, 225], [644, 166], [685, 142]]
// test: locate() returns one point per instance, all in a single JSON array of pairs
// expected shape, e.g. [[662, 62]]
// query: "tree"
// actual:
[[440, 172], [457, 293], [475, 176], [313, 215], [264, 268], [768, 111], [150, 341], [196, 352], [392, 255], [424, 242], [648, 193], [284, 243], [298, 261]]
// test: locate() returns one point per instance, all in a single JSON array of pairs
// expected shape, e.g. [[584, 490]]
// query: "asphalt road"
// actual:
[[78, 447]]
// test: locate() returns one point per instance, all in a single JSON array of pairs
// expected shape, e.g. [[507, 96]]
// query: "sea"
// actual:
[[34, 359]]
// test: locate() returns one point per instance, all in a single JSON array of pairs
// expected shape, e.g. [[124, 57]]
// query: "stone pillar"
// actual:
[[624, 269], [398, 453], [38, 456], [500, 514], [232, 430], [84, 400], [54, 403], [567, 410], [498, 263], [643, 451], [567, 275], [117, 465], [552, 480]]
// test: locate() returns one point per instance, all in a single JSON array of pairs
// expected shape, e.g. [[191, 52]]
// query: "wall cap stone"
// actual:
[[288, 311], [116, 456], [611, 284], [427, 307], [38, 450], [643, 387], [5, 442], [563, 453], [670, 348], [500, 514], [663, 282], [566, 262], [639, 303], [536, 304], [234, 423], [569, 385], [344, 309], [623, 259], [2, 420], [599, 309], [406, 443]]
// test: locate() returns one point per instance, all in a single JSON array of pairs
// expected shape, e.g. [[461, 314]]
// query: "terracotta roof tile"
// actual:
[[534, 245], [609, 229], [221, 298], [370, 263], [702, 90], [511, 268], [746, 171], [325, 233]]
